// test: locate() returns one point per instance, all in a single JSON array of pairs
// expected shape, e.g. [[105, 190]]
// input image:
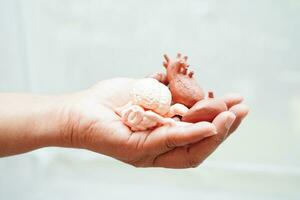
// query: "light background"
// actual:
[[250, 47]]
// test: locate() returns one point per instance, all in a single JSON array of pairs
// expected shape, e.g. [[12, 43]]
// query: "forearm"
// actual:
[[28, 122]]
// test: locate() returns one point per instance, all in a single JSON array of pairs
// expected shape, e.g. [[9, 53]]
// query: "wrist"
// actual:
[[52, 119], [61, 123]]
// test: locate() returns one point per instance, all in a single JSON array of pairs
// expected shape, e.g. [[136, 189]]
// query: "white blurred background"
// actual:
[[249, 47]]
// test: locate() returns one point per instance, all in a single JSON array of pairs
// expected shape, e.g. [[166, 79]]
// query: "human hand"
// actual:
[[91, 123]]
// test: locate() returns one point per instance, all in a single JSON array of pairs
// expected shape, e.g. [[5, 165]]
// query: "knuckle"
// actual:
[[170, 142], [193, 163], [139, 163], [131, 161], [217, 139], [136, 165]]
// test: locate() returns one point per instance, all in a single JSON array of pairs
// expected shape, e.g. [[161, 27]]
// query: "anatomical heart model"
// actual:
[[164, 99]]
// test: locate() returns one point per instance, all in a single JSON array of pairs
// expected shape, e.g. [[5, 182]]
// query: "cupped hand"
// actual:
[[91, 123]]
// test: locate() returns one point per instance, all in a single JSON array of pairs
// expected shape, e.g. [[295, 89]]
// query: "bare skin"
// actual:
[[87, 120]]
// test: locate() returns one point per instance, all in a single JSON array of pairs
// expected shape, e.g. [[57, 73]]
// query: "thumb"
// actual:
[[166, 138]]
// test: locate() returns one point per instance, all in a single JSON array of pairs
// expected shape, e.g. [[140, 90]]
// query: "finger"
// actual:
[[240, 111], [166, 138], [187, 134], [192, 156], [232, 99], [177, 159]]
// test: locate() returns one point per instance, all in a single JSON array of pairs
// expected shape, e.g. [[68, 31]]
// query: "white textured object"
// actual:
[[151, 94], [150, 106]]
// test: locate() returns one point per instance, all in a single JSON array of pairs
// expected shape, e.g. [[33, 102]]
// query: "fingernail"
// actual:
[[214, 130], [233, 111], [229, 121]]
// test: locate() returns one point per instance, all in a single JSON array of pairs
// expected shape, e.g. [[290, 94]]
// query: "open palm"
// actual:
[[93, 124]]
